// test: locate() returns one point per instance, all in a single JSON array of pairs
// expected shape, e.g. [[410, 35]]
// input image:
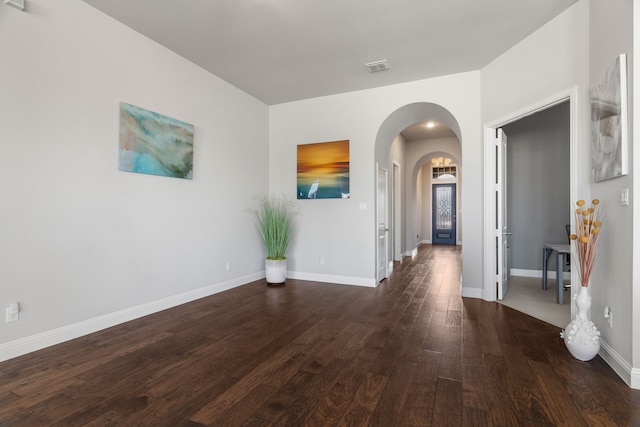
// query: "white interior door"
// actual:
[[397, 214], [381, 221], [502, 230]]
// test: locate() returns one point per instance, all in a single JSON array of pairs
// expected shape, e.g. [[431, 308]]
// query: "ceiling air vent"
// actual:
[[377, 66], [18, 4]]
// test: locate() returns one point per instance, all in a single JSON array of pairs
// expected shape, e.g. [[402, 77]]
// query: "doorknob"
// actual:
[[506, 233]]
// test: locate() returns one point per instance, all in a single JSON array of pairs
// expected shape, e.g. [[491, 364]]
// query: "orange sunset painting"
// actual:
[[323, 170]]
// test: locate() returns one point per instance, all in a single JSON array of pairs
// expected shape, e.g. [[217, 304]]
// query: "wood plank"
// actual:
[[365, 401], [447, 408], [244, 386], [390, 408]]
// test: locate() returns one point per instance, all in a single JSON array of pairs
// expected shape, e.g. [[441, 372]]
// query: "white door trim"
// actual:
[[397, 220], [382, 225], [489, 262]]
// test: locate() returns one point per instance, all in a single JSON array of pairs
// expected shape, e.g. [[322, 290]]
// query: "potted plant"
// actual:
[[274, 216]]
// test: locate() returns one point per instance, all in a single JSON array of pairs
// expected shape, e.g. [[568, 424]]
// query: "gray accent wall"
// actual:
[[538, 191]]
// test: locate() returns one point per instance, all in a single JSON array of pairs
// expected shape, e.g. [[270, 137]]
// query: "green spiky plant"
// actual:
[[275, 222]]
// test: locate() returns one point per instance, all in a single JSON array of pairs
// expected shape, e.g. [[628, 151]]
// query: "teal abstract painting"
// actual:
[[154, 144]]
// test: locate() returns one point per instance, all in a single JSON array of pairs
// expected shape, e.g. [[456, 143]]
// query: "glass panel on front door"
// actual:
[[443, 197], [444, 219]]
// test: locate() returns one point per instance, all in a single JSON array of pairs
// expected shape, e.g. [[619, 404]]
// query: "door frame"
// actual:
[[396, 222], [490, 204], [382, 206], [501, 215]]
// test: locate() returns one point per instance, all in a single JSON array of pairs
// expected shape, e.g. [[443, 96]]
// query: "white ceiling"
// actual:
[[286, 50]]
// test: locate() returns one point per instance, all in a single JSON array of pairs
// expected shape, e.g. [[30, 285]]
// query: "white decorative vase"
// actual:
[[581, 336], [275, 271]]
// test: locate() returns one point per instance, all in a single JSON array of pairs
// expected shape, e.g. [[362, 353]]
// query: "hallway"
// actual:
[[411, 352]]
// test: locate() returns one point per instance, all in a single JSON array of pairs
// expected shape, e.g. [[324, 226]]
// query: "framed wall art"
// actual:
[[153, 144], [609, 139], [323, 170]]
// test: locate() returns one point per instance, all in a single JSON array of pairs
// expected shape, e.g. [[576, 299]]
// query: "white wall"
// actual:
[[397, 156], [550, 64], [337, 229], [611, 34], [634, 73], [551, 60], [571, 51], [82, 245]]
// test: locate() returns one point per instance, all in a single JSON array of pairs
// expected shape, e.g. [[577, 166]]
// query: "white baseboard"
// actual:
[[629, 375], [635, 378], [45, 339], [411, 253], [551, 274], [467, 292], [330, 278]]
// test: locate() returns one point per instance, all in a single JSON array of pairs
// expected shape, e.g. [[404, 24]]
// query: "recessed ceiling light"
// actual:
[[430, 125]]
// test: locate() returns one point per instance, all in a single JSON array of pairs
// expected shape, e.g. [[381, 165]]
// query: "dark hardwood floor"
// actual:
[[411, 352]]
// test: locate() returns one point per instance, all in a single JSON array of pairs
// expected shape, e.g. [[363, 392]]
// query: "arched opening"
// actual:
[[399, 164], [426, 180]]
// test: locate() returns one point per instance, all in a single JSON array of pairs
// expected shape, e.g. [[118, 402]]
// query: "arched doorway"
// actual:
[[424, 184], [402, 165]]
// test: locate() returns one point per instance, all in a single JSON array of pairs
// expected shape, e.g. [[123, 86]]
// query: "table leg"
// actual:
[[544, 268], [559, 282]]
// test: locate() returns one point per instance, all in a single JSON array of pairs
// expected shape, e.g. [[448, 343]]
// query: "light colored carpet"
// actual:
[[525, 294]]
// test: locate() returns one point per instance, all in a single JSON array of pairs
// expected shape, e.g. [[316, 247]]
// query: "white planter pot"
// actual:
[[581, 336], [275, 270]]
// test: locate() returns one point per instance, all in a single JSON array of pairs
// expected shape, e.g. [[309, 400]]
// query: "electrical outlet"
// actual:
[[228, 266], [12, 317], [624, 197], [608, 314], [321, 260], [12, 313]]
